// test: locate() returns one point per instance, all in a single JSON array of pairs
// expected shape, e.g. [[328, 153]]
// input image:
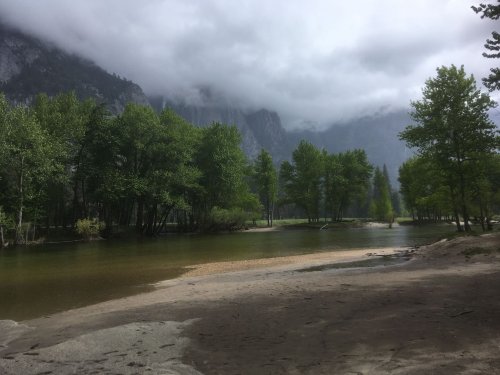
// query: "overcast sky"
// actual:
[[316, 61]]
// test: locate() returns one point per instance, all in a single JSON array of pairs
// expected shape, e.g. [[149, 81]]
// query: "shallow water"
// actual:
[[42, 280]]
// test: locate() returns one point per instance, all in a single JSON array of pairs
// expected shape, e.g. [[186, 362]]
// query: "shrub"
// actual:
[[227, 219], [89, 229]]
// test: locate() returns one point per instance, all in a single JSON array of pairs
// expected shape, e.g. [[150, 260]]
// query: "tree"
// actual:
[[354, 179], [139, 128], [27, 161], [223, 169], [336, 185], [65, 119], [267, 183], [4, 222], [492, 82], [303, 179], [424, 190], [179, 175], [452, 130], [485, 191], [381, 206]]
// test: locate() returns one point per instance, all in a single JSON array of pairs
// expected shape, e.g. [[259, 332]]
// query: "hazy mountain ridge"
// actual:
[[259, 129], [377, 135], [29, 66]]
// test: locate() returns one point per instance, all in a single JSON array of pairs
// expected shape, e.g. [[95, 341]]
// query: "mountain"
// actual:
[[259, 129], [29, 66], [377, 135]]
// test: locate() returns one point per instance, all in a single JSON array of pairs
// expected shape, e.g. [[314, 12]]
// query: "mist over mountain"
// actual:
[[259, 128], [377, 135], [29, 66]]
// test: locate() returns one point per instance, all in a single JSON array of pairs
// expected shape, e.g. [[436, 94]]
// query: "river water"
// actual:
[[41, 280]]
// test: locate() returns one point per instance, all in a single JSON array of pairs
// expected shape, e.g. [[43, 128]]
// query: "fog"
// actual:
[[314, 62]]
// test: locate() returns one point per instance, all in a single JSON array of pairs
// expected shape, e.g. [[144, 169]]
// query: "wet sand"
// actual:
[[437, 313]]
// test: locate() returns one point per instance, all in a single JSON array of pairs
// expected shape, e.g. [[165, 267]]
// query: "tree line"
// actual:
[[455, 174], [456, 171], [63, 160]]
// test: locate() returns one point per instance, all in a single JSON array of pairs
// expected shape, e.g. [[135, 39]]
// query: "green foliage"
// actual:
[[302, 179], [64, 160], [89, 229], [223, 175], [381, 206], [492, 82], [266, 178], [453, 132], [424, 190], [27, 161], [5, 224], [227, 219], [222, 164], [320, 182], [346, 180]]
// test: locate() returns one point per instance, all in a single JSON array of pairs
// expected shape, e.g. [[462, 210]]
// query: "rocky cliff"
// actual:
[[29, 66], [259, 129]]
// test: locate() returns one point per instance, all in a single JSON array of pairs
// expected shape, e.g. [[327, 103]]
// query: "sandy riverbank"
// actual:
[[305, 260], [437, 313]]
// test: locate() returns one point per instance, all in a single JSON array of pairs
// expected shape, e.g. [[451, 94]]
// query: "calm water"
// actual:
[[41, 280]]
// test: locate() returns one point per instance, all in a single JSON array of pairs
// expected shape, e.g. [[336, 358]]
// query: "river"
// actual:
[[41, 280]]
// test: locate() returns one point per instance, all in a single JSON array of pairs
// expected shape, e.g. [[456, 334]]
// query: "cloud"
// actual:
[[320, 61]]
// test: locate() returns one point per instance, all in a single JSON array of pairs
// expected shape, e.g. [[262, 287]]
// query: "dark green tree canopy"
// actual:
[[452, 119], [453, 131], [266, 179]]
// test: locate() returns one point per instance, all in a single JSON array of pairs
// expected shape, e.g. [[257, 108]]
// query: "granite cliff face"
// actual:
[[259, 129], [29, 66]]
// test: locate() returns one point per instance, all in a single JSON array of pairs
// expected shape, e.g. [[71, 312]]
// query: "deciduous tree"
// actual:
[[266, 178], [453, 131]]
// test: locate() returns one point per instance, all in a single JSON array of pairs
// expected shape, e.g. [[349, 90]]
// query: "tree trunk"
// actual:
[[140, 213], [457, 222], [481, 216], [2, 239], [19, 233], [466, 218], [268, 214], [455, 209], [463, 203]]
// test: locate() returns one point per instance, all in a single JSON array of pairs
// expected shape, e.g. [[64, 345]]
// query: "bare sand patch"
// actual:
[[293, 260]]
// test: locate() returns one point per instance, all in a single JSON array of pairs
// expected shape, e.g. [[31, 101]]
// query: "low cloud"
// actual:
[[319, 62]]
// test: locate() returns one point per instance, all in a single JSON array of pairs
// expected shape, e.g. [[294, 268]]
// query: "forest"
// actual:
[[455, 174], [67, 163]]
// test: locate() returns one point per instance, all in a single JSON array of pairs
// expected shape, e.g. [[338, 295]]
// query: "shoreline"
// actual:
[[290, 261], [433, 314]]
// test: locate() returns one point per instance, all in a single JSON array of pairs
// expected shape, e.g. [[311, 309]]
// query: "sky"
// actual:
[[315, 62]]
